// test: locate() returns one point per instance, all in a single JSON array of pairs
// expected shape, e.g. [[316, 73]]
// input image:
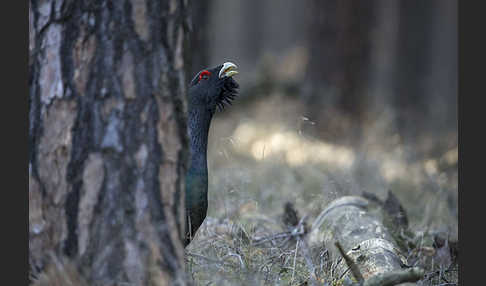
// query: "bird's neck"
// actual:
[[199, 120], [198, 124]]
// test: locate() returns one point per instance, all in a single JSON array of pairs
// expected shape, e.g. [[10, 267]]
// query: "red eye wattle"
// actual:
[[204, 75]]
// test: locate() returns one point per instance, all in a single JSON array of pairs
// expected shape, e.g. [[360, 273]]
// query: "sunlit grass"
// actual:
[[261, 157]]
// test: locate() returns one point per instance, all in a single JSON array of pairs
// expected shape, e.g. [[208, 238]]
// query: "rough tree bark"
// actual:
[[107, 138]]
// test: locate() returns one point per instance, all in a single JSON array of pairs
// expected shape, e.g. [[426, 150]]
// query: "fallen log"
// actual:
[[356, 225]]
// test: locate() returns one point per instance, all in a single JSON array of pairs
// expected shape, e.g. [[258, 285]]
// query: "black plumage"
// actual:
[[211, 89]]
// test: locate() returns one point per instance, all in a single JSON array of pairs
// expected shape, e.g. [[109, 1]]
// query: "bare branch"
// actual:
[[352, 266]]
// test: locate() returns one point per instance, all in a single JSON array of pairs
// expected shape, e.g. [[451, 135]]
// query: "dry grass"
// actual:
[[260, 157]]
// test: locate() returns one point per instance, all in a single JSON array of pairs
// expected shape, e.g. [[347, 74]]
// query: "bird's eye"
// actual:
[[204, 75]]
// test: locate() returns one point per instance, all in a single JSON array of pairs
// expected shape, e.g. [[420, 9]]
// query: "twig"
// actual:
[[295, 258], [286, 235], [272, 237], [205, 258], [432, 274], [352, 266], [395, 277]]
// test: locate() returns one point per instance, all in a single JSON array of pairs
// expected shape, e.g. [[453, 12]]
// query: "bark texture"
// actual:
[[107, 138], [350, 221]]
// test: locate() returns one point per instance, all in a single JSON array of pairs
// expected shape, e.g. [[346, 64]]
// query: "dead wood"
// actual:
[[366, 245]]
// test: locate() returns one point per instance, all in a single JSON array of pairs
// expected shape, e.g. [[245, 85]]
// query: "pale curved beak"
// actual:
[[228, 69]]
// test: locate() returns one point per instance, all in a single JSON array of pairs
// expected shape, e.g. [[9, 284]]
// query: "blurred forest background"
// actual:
[[336, 98]]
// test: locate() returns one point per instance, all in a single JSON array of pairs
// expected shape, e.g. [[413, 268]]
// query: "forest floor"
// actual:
[[261, 157]]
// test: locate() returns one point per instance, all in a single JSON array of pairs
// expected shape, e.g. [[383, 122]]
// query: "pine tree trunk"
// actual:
[[339, 41], [107, 138]]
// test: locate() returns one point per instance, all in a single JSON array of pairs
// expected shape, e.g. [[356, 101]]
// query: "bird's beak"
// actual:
[[228, 69]]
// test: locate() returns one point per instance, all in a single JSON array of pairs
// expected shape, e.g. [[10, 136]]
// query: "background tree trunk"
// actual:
[[340, 42], [197, 54], [425, 84], [107, 138]]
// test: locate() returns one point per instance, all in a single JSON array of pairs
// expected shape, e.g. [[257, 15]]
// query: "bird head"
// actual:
[[213, 88]]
